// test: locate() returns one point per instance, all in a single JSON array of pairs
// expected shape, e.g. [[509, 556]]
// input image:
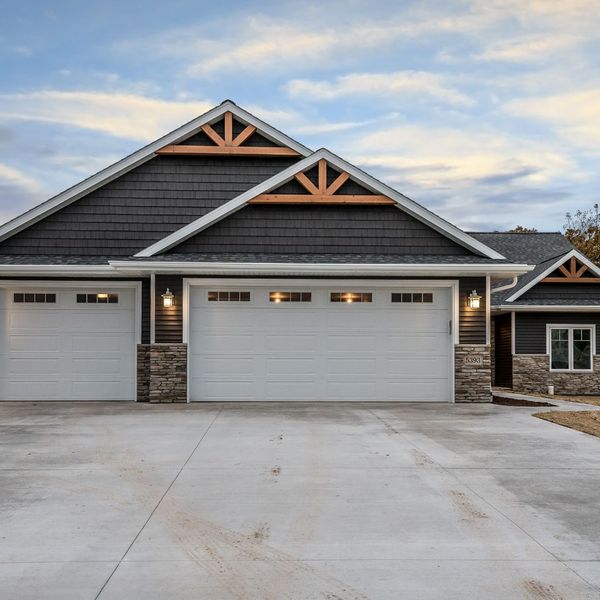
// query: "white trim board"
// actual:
[[348, 269], [548, 308], [406, 204], [563, 259], [141, 156]]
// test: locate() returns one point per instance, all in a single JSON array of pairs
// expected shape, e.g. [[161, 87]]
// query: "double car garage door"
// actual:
[[319, 343], [245, 343]]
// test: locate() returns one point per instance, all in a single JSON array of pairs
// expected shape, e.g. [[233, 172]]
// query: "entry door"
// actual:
[[67, 344], [386, 345]]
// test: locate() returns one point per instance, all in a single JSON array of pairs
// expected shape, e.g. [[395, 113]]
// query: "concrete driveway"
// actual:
[[281, 501]]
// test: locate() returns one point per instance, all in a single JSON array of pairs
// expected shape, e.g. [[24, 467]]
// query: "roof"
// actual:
[[545, 250]]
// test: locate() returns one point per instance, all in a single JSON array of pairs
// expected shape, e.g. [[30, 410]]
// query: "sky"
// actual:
[[486, 112]]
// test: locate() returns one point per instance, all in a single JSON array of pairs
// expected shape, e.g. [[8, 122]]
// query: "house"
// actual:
[[227, 261]]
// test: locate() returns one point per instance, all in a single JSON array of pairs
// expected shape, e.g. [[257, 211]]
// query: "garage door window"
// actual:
[[351, 297], [100, 298], [36, 298], [412, 297], [229, 296], [289, 297]]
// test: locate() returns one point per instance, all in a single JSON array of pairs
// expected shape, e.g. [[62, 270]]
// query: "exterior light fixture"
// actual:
[[168, 299], [474, 299]]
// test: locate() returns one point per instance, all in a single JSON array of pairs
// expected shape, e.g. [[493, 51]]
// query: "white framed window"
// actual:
[[412, 297], [227, 296], [98, 298], [34, 298], [571, 347]]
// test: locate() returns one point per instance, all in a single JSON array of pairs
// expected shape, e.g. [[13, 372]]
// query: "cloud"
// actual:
[[575, 115], [528, 49], [391, 85], [123, 115], [17, 192]]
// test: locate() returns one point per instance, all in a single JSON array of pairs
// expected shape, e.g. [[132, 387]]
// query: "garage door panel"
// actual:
[[33, 343], [32, 320], [35, 366], [320, 350], [26, 389], [295, 390], [99, 343], [96, 390], [299, 343]]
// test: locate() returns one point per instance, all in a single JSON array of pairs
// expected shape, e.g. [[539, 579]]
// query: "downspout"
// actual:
[[507, 286]]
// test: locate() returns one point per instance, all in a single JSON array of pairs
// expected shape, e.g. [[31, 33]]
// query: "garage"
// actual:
[[325, 342], [63, 343]]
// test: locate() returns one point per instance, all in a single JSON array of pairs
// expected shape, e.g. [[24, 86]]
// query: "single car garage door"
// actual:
[[325, 343], [67, 344]]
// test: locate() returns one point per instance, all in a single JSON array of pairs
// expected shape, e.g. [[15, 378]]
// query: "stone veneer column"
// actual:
[[473, 375], [162, 373], [531, 374]]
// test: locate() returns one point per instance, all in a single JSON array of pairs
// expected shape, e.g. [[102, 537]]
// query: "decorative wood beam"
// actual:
[[337, 184], [573, 265], [571, 280], [213, 135], [564, 271], [320, 199], [306, 183], [182, 149], [581, 271], [228, 128], [244, 135], [322, 176]]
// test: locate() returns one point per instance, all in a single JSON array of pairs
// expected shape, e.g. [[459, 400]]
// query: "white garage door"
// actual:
[[67, 344], [319, 344]]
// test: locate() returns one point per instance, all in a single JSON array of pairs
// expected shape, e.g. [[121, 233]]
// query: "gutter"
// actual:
[[221, 268]]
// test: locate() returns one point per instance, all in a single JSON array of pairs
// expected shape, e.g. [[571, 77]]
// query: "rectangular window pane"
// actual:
[[278, 297], [91, 298], [245, 296], [29, 297], [51, 298], [18, 297], [213, 296], [417, 297], [428, 298], [81, 298], [351, 297], [559, 348], [113, 298], [582, 349]]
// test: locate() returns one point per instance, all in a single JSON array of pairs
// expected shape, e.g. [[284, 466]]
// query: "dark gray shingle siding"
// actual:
[[562, 292], [144, 205], [530, 328], [472, 321], [294, 229]]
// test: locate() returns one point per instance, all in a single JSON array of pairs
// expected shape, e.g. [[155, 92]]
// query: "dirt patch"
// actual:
[[515, 402], [262, 533], [587, 421], [465, 505], [537, 590], [421, 459], [276, 471]]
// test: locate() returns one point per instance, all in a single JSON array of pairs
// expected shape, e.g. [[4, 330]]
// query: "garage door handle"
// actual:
[[449, 327]]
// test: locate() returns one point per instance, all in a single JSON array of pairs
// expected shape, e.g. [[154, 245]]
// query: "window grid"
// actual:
[[290, 297], [222, 296], [351, 297], [412, 297], [34, 298], [98, 298]]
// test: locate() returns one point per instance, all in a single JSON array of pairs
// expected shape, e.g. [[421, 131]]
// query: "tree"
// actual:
[[582, 229], [521, 229]]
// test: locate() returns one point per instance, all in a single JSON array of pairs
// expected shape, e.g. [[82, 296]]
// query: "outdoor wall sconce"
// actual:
[[168, 299], [474, 299]]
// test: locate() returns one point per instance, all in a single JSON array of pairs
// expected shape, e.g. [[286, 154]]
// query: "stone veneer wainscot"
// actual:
[[531, 374], [473, 383], [162, 373]]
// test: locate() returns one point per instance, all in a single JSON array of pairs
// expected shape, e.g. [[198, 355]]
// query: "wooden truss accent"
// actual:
[[321, 193], [227, 144], [573, 274]]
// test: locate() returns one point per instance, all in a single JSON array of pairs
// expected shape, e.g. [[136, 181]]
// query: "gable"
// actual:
[[306, 229], [336, 183], [143, 205], [573, 277], [259, 140]]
